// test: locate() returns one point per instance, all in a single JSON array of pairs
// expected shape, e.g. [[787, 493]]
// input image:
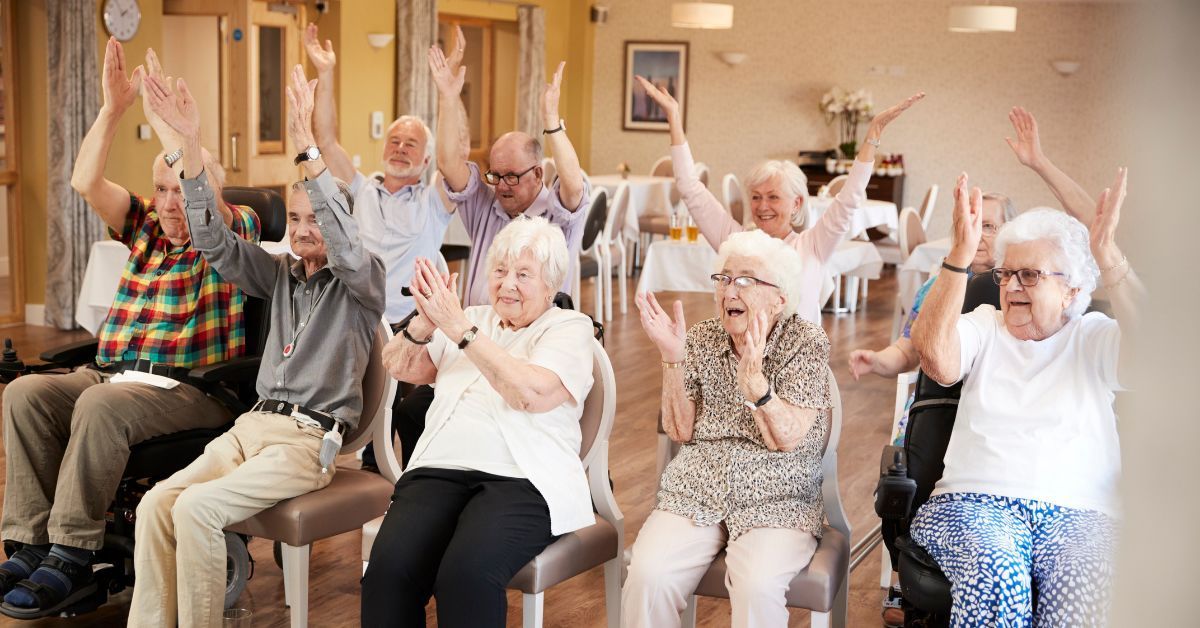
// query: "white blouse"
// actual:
[[1036, 418], [470, 426]]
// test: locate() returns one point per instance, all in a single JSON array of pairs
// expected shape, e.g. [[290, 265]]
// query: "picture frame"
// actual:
[[664, 63]]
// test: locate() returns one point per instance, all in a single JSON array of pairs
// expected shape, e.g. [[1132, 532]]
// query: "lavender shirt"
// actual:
[[484, 218]]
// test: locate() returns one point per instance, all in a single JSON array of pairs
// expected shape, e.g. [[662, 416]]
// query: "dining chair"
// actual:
[[702, 173], [549, 171], [836, 184], [927, 206], [613, 239], [592, 257], [912, 235], [662, 167], [735, 198]]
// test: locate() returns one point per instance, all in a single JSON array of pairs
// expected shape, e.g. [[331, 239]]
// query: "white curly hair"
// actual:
[[781, 260], [1069, 237]]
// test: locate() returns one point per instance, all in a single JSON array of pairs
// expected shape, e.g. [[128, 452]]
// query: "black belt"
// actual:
[[327, 421], [178, 373]]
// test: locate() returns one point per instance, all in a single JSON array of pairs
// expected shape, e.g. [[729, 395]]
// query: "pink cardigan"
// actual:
[[815, 245]]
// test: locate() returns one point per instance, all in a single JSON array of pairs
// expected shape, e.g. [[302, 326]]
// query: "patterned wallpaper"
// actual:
[[798, 49]]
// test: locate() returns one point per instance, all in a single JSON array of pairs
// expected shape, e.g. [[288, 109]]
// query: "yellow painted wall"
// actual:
[[31, 102], [366, 76]]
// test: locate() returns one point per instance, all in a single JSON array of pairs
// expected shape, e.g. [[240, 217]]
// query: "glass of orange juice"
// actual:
[[676, 230], [693, 231]]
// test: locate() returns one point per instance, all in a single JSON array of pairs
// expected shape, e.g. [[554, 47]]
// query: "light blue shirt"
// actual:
[[399, 227]]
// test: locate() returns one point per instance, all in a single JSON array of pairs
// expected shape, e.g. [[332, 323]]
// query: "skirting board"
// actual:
[[35, 314]]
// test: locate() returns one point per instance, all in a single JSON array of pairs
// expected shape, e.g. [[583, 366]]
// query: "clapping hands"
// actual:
[[119, 89], [300, 108], [175, 108]]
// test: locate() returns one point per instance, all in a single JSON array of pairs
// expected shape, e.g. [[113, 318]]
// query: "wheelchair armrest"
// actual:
[[235, 370], [909, 547], [74, 354], [895, 492]]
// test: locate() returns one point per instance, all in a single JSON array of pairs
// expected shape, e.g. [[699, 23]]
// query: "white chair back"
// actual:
[[702, 173], [836, 184], [912, 232], [927, 206], [735, 198], [662, 167], [549, 171]]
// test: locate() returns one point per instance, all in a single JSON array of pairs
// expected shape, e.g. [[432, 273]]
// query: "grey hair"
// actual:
[[788, 173], [544, 241], [1010, 209], [534, 148], [781, 260], [342, 187], [429, 137], [1069, 237]]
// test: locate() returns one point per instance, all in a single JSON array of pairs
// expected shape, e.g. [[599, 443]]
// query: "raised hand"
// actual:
[[885, 117], [449, 80], [550, 97], [1028, 145], [119, 89], [177, 109], [300, 110], [322, 58], [666, 101], [1103, 232], [968, 223], [165, 133], [436, 299], [862, 362], [454, 61], [751, 347], [668, 334]]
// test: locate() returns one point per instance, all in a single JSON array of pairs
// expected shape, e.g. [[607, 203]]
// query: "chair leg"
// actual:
[[820, 620], [897, 319], [885, 569], [532, 610], [612, 591], [623, 276], [688, 619], [852, 293], [295, 583], [840, 612]]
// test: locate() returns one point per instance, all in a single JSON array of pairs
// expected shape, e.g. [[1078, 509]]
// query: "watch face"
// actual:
[[121, 18], [313, 153]]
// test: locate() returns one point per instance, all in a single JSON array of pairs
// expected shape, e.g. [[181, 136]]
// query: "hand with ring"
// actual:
[[436, 301]]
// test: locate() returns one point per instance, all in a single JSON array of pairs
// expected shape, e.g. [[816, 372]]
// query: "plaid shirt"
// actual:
[[171, 307]]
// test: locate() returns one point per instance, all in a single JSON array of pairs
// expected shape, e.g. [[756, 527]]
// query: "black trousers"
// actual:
[[408, 421], [459, 536]]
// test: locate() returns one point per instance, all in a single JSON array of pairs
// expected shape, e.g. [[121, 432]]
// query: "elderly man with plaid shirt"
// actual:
[[67, 437]]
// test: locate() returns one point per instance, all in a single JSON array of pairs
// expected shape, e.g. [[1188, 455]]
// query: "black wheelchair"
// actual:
[[230, 382], [907, 475]]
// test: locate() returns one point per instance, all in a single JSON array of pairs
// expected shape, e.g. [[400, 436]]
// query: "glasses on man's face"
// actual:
[[743, 282], [990, 229], [1028, 277], [510, 178]]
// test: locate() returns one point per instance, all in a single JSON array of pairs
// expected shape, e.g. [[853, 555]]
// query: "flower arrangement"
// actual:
[[848, 109]]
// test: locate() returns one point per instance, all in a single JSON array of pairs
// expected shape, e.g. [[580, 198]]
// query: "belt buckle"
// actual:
[[304, 419]]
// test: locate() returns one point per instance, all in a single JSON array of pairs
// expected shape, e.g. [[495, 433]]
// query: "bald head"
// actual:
[[517, 153], [518, 144]]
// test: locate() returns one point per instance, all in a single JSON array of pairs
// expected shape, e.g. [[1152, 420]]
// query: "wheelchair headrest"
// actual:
[[981, 290], [597, 214], [268, 204]]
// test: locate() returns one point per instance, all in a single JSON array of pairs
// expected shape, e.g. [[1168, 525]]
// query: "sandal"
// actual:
[[50, 600], [8, 580]]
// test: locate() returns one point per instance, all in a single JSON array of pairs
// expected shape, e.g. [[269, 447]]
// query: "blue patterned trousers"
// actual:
[[996, 551]]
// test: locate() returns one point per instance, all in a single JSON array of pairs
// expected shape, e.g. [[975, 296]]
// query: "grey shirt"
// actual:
[[330, 318]]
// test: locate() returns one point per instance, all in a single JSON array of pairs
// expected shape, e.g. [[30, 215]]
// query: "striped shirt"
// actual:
[[171, 306]]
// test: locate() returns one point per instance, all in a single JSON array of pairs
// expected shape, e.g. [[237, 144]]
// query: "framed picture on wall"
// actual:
[[663, 63]]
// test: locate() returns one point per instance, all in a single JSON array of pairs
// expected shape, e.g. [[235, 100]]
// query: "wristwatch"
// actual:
[[311, 153], [173, 157], [754, 405], [562, 126], [468, 337]]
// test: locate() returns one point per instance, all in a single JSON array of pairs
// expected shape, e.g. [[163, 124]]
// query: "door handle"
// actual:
[[233, 152]]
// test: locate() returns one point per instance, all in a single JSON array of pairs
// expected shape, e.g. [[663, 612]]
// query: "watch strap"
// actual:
[[952, 268], [408, 337], [562, 125], [173, 157], [468, 337], [304, 154]]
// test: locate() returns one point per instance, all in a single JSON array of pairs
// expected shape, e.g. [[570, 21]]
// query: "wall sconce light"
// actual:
[[599, 13], [731, 58], [379, 40], [1065, 67]]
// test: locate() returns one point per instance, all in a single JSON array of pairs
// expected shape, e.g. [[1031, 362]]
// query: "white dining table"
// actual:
[[916, 269], [872, 214], [648, 195]]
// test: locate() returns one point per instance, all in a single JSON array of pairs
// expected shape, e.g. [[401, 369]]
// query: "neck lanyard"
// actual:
[[290, 347]]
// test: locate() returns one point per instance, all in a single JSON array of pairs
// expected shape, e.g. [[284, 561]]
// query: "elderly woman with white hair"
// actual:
[[746, 394], [1028, 499], [496, 475], [778, 191]]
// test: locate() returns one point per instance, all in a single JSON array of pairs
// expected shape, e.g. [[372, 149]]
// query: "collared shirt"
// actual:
[[328, 318], [171, 306], [484, 218], [399, 227]]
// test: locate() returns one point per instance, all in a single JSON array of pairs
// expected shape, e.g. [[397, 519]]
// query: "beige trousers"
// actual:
[[179, 550], [66, 442], [672, 553]]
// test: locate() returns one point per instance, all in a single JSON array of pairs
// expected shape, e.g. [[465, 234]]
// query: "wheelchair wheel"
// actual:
[[237, 567]]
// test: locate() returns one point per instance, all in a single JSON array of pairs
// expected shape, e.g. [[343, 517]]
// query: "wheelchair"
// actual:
[[907, 475], [230, 382]]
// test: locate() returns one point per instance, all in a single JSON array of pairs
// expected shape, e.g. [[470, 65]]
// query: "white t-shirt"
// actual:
[[544, 447], [1036, 418]]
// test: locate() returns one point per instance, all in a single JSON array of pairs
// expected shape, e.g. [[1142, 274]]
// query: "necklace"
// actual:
[[290, 347]]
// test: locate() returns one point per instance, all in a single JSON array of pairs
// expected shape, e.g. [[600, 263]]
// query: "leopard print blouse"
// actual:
[[726, 473]]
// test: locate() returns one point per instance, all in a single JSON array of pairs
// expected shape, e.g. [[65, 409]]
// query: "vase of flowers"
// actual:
[[848, 109]]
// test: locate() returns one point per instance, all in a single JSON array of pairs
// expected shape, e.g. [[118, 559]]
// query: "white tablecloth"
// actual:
[[915, 270], [647, 195], [871, 214]]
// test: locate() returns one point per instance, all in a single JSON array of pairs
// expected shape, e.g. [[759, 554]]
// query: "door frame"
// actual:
[[10, 174]]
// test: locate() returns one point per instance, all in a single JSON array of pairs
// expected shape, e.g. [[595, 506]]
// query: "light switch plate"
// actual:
[[357, 161], [143, 131], [376, 125]]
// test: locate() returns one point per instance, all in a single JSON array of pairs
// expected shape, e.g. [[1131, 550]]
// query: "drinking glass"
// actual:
[[676, 230]]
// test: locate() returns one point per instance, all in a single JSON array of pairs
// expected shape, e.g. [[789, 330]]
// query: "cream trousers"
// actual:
[[179, 550], [672, 553]]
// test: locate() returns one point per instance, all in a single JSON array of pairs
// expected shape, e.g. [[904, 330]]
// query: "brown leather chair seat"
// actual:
[[572, 554], [352, 497]]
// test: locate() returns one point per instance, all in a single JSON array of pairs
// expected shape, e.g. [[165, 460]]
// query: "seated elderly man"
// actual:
[[497, 475], [1028, 497], [67, 437], [747, 395], [325, 308]]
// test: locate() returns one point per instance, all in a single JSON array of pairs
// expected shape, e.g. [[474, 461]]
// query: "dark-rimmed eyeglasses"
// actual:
[[743, 282], [510, 178], [1029, 277]]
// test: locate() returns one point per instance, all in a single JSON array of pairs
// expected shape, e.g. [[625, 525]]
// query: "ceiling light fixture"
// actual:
[[983, 18], [708, 15]]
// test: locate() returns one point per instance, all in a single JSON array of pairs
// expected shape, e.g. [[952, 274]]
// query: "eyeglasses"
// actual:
[[494, 178], [990, 229], [743, 282], [1028, 277]]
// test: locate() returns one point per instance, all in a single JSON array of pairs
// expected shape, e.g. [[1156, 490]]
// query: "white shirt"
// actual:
[[399, 227], [543, 446], [1036, 418]]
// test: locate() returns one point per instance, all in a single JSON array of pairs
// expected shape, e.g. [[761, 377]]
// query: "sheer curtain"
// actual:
[[531, 72], [416, 31]]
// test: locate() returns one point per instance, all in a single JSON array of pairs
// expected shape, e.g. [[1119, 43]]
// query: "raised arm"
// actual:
[[566, 161], [935, 334], [669, 335], [109, 200], [898, 357], [1125, 290], [1028, 149], [325, 112], [452, 152]]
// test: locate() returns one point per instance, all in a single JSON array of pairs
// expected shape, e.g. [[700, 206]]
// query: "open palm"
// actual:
[[176, 108], [667, 333]]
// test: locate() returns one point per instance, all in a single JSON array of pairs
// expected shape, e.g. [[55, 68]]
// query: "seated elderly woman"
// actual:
[[496, 475], [746, 394], [1028, 498], [778, 190]]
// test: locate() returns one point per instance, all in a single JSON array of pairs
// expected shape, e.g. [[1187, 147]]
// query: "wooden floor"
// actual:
[[335, 563]]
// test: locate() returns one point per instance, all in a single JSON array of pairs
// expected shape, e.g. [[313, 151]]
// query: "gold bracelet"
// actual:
[[672, 365], [1124, 260], [1119, 281]]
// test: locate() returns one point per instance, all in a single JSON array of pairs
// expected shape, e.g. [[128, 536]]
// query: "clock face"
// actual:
[[121, 18]]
